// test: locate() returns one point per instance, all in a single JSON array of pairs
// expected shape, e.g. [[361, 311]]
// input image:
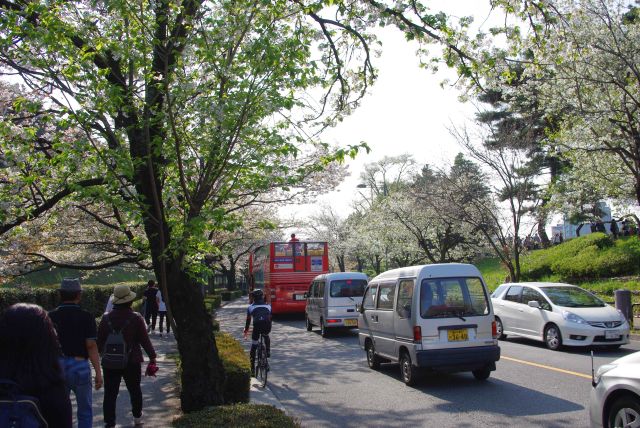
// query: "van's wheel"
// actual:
[[372, 359], [500, 329], [553, 337], [482, 374], [309, 325], [407, 371], [323, 329]]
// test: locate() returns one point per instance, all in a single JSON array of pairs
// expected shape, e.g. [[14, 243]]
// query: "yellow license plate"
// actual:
[[457, 335], [351, 323]]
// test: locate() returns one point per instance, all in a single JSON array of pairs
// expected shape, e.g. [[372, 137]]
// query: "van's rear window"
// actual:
[[348, 287], [452, 297]]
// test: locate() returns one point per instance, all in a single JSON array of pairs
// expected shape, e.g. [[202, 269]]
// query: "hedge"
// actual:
[[94, 297], [238, 415], [212, 302], [237, 368], [590, 257], [230, 295]]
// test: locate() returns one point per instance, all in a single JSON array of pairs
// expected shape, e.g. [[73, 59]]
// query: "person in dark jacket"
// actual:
[[135, 336], [29, 356], [76, 330], [151, 305]]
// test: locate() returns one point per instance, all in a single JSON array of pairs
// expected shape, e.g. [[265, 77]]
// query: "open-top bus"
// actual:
[[284, 270]]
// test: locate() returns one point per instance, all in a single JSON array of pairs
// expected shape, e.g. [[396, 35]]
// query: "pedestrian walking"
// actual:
[[29, 356], [77, 334], [162, 313], [151, 305], [122, 319]]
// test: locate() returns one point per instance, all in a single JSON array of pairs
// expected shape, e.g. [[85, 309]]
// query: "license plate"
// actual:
[[611, 334], [351, 323], [299, 297], [457, 335]]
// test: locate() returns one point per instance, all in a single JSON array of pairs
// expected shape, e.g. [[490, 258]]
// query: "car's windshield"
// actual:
[[572, 297], [452, 297], [348, 287]]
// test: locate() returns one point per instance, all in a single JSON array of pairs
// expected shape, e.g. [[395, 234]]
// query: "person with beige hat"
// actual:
[[134, 330]]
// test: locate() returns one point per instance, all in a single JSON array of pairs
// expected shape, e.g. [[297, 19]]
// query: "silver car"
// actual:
[[615, 398]]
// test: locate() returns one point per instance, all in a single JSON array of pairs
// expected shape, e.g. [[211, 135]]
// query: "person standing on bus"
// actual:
[[293, 238], [260, 312]]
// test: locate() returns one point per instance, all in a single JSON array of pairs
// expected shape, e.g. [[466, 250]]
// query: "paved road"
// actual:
[[326, 383]]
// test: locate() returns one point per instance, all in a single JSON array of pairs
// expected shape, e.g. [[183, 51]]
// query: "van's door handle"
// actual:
[[374, 318]]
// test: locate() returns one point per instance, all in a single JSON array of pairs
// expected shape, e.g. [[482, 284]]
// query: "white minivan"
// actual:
[[436, 317], [332, 299]]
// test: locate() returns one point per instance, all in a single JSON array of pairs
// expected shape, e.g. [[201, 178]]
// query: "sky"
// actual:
[[406, 111]]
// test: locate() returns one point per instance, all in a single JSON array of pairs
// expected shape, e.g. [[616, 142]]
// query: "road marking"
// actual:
[[542, 366]]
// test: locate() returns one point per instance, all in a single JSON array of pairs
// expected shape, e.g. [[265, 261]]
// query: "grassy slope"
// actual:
[[52, 277], [494, 274]]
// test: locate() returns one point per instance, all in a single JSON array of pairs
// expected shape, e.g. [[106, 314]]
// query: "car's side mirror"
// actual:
[[534, 304], [360, 308], [306, 295]]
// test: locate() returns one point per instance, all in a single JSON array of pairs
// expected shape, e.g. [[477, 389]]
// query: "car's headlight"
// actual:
[[622, 317], [571, 317], [602, 370]]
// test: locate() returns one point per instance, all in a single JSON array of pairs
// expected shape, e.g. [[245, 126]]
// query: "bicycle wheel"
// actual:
[[262, 366]]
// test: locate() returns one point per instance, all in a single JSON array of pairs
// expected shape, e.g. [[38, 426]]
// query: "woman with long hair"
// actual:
[[29, 352]]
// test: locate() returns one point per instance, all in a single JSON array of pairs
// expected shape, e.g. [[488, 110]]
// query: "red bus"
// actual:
[[284, 271]]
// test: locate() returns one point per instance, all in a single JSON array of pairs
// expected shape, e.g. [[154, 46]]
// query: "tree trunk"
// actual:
[[360, 263], [542, 234], [340, 260], [578, 229], [202, 371]]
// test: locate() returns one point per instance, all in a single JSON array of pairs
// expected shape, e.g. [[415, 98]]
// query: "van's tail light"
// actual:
[[417, 334], [494, 330]]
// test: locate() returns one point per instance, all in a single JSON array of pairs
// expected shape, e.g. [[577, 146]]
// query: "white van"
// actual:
[[436, 317], [332, 299]]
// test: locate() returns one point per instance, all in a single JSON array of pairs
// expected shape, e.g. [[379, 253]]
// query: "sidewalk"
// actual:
[[161, 402]]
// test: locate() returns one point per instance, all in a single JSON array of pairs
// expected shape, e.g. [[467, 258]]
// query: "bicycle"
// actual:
[[262, 362]]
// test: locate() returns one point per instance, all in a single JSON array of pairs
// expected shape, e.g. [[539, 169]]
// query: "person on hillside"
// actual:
[[162, 312], [260, 313], [29, 356], [151, 305], [615, 231], [76, 330], [131, 324]]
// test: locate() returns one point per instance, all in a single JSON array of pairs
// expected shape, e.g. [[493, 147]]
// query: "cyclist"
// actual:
[[261, 314]]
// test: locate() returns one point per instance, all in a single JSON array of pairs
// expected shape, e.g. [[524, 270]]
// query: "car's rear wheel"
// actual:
[[624, 412], [482, 374], [500, 329], [407, 371], [372, 359], [309, 325], [553, 337]]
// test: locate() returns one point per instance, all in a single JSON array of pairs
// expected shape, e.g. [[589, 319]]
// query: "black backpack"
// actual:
[[115, 353], [19, 410]]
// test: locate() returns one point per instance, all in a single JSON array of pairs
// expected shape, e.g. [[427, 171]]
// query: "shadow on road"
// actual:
[[326, 382]]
